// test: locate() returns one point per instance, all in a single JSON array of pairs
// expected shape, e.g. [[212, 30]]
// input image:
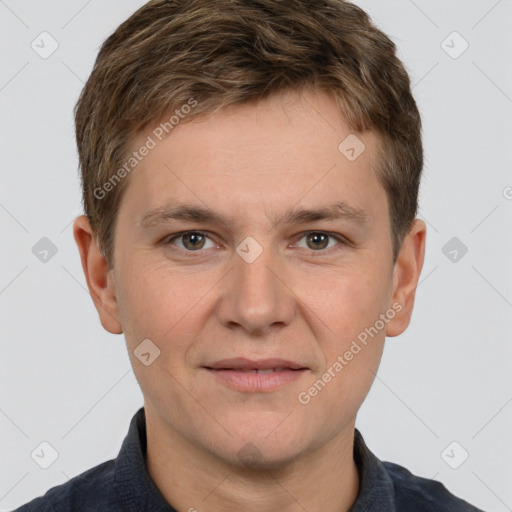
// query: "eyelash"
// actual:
[[192, 254]]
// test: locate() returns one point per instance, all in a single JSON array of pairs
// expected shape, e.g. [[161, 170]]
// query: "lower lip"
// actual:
[[252, 382]]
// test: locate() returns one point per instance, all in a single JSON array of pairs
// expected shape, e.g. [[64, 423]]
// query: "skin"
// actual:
[[301, 300]]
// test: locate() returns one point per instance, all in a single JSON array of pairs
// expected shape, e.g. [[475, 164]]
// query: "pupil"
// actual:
[[193, 237], [316, 237]]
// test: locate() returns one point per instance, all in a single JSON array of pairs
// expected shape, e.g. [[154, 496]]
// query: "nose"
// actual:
[[255, 295]]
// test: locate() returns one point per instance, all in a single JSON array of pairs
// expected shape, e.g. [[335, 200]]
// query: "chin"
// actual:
[[252, 456], [263, 450]]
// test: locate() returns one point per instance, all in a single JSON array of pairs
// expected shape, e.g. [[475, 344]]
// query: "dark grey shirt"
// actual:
[[124, 485]]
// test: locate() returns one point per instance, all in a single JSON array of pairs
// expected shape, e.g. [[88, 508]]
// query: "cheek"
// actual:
[[137, 301], [165, 306], [357, 303], [347, 301], [150, 303], [334, 397]]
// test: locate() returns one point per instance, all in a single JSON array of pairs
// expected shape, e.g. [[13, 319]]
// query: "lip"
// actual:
[[242, 363], [252, 382], [238, 373]]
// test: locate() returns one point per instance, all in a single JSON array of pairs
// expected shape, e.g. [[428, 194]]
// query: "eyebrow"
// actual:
[[184, 212]]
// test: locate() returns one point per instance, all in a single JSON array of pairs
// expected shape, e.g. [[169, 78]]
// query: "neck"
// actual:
[[191, 479]]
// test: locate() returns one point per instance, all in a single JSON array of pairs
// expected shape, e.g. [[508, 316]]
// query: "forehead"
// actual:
[[280, 150]]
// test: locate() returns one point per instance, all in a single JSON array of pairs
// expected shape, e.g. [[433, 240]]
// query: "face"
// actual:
[[217, 258]]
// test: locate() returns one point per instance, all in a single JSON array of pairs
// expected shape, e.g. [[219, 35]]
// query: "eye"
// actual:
[[194, 241], [318, 240], [191, 240]]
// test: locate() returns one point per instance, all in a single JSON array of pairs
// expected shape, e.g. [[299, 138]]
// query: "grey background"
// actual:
[[66, 381]]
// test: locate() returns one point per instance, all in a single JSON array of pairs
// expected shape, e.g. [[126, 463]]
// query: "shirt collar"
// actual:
[[134, 487], [376, 489], [137, 491]]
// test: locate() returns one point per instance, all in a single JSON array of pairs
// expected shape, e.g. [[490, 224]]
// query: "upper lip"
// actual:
[[241, 363]]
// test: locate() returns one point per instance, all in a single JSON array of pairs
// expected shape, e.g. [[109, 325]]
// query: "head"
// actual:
[[258, 117]]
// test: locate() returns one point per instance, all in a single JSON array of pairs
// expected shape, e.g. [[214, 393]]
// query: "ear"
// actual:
[[405, 277], [98, 275]]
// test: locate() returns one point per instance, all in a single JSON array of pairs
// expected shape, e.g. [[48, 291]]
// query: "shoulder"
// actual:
[[90, 491], [422, 494]]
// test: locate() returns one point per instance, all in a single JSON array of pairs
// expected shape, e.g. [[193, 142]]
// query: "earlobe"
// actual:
[[98, 276], [406, 276]]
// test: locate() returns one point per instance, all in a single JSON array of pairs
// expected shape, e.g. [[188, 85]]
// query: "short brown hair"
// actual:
[[232, 52]]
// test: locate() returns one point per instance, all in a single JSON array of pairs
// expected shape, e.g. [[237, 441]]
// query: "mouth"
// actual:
[[252, 376]]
